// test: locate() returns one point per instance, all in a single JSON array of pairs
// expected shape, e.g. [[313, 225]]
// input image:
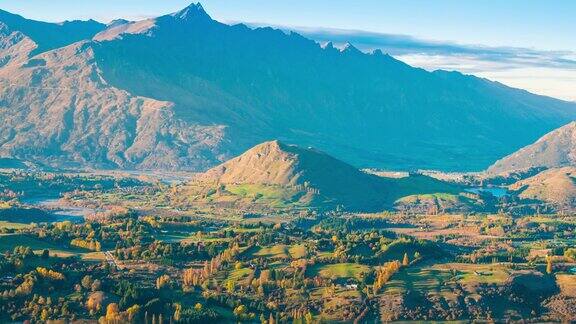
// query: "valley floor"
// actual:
[[138, 257]]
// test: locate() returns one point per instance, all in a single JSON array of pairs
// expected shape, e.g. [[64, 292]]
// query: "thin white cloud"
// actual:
[[402, 45], [551, 73]]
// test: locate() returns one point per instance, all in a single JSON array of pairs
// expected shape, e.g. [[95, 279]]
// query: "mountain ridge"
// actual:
[[49, 36], [554, 150], [85, 115], [555, 186], [280, 116], [369, 110]]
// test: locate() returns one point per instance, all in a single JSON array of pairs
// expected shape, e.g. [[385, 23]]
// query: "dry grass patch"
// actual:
[[567, 284]]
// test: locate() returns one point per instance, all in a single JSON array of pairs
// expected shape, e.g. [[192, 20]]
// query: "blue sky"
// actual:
[[538, 33]]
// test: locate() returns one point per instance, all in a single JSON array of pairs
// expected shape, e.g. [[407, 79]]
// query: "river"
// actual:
[[60, 211]]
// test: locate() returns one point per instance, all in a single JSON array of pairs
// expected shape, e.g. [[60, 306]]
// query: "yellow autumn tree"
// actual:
[[162, 281], [177, 312], [384, 274], [132, 311], [405, 261], [112, 312]]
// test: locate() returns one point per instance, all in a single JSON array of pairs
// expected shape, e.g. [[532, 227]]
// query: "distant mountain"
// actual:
[[117, 22], [288, 174], [48, 36], [183, 91], [555, 186], [553, 150]]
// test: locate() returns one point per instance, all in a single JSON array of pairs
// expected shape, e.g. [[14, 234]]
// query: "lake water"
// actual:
[[495, 191], [61, 211]]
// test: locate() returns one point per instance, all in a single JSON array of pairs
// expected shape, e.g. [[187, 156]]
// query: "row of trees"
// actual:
[[384, 273], [195, 277], [91, 245]]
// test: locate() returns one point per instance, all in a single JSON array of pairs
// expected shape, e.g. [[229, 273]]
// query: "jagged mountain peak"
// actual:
[[194, 11], [366, 110], [328, 45], [349, 48], [190, 15]]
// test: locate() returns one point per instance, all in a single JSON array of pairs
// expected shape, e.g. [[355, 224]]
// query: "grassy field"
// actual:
[[397, 249], [189, 238], [334, 303], [428, 280], [281, 251], [446, 281], [276, 196], [9, 241], [18, 217], [443, 279], [338, 270], [567, 284], [297, 251], [433, 196], [255, 190], [239, 274], [12, 225], [474, 274], [244, 230], [276, 251], [93, 256]]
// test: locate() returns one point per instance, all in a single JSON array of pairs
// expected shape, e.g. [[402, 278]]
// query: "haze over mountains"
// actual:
[[183, 91]]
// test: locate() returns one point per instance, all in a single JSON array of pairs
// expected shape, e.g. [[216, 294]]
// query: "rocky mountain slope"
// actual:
[[14, 46], [553, 150], [312, 178], [183, 91], [57, 108], [555, 186]]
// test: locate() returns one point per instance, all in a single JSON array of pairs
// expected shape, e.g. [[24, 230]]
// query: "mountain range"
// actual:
[[183, 91]]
